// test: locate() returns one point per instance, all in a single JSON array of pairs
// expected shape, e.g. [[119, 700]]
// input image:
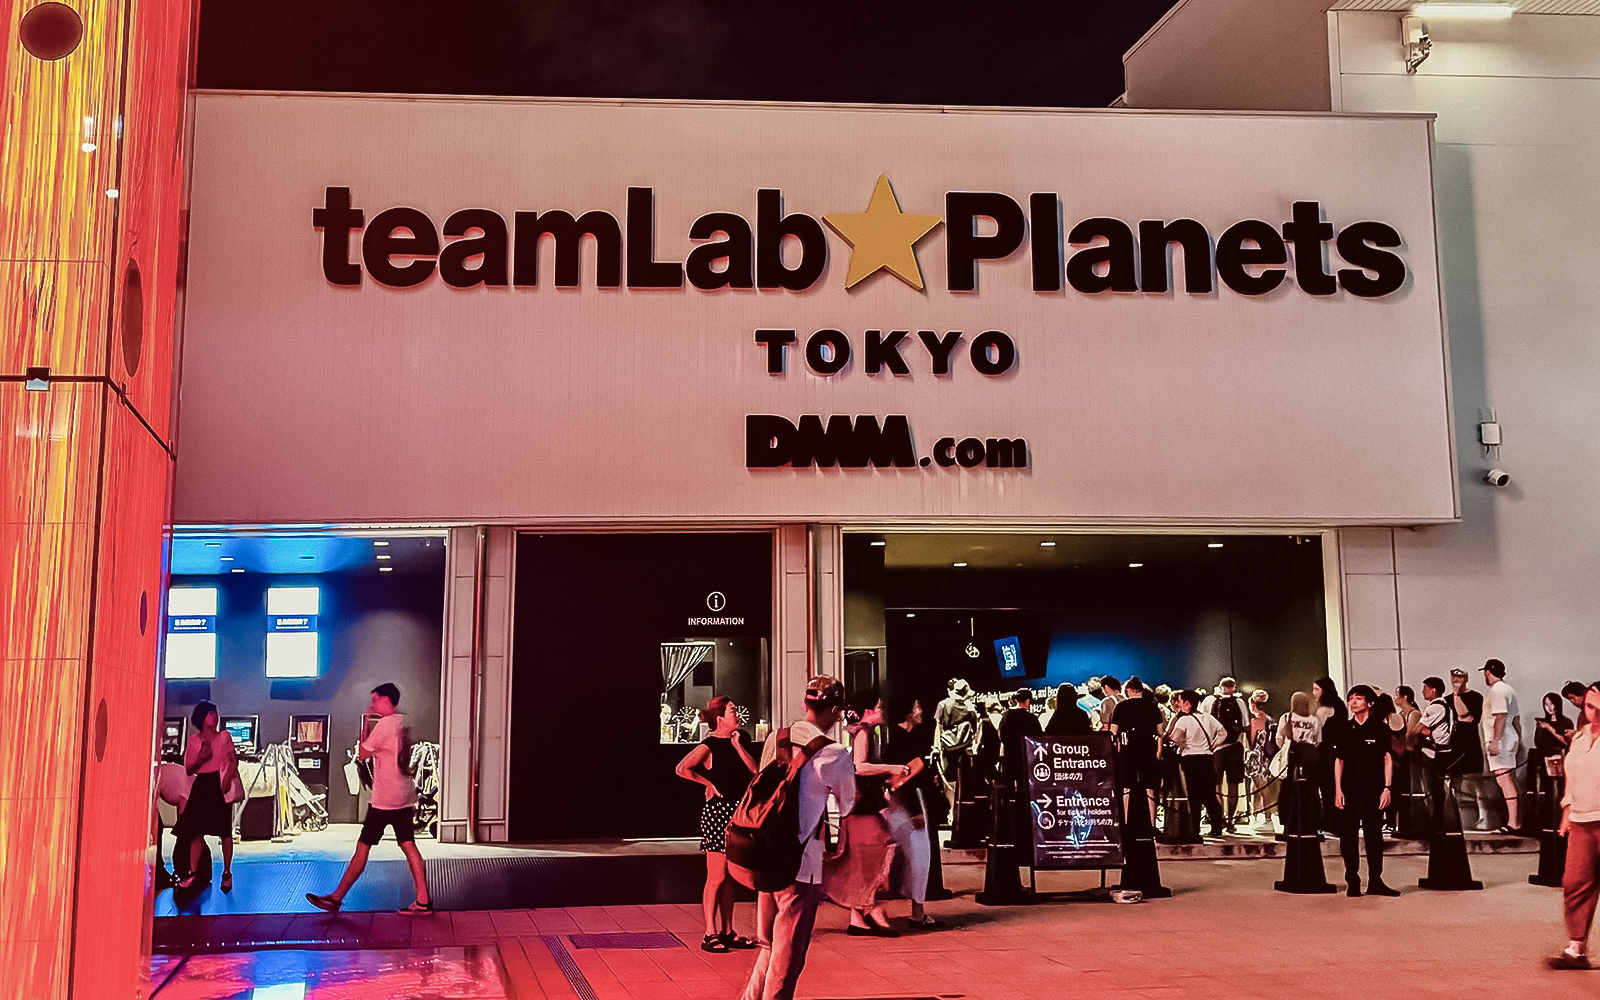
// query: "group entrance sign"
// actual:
[[1072, 803]]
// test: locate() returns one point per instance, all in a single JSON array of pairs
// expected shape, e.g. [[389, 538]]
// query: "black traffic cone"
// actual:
[[1140, 868], [1448, 867], [1002, 886], [1303, 873], [1552, 845]]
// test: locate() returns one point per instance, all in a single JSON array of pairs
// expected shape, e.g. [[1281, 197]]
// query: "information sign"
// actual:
[[1072, 802]]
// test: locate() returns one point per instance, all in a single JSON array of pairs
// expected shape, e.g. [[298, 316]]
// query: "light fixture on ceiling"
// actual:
[[380, 543], [911, 614], [959, 565], [1463, 11], [385, 569], [1135, 565], [225, 558], [213, 545], [879, 544], [386, 557], [308, 557], [236, 570], [1213, 545], [1047, 545]]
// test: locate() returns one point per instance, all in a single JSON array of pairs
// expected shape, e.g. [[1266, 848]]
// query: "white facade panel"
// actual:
[[304, 401]]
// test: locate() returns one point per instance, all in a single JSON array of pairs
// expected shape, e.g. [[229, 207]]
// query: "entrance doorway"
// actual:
[[619, 640]]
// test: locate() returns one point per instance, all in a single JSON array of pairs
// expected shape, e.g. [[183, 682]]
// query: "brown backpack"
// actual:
[[763, 839]]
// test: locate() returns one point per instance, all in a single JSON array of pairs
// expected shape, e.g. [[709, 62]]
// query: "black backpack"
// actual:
[[1446, 754], [763, 842], [1228, 712]]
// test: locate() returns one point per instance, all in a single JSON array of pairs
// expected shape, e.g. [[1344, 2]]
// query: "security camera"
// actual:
[[1497, 477]]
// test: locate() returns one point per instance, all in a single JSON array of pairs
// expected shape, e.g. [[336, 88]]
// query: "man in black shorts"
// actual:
[[393, 802]]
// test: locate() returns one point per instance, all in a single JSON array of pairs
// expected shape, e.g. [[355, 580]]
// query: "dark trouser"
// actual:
[[1200, 782], [1362, 812], [783, 928]]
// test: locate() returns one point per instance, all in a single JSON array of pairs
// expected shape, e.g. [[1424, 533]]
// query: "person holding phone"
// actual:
[[722, 764], [210, 759]]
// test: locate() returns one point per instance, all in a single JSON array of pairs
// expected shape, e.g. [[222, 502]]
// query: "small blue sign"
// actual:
[[1009, 652], [291, 623], [192, 623]]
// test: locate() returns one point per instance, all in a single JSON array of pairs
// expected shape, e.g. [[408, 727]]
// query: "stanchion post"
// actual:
[[1552, 845], [1001, 884], [1141, 868], [1448, 867], [1303, 873]]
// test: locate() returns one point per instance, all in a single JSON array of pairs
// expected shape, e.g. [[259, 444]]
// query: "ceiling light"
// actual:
[[1213, 545], [911, 614], [225, 558], [385, 569], [1474, 11], [879, 544], [380, 543], [386, 557], [308, 557], [1047, 545], [213, 545], [1135, 565], [236, 570], [959, 565]]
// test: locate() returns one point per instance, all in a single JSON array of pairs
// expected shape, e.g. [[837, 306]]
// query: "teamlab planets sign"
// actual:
[[1072, 802]]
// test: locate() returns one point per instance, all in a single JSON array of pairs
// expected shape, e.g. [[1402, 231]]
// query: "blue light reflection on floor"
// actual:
[[471, 973]]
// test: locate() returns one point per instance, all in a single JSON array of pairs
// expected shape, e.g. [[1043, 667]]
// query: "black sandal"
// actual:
[[738, 942], [417, 909], [714, 944], [327, 903]]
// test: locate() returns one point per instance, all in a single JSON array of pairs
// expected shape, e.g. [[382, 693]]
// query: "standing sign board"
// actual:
[[1072, 801]]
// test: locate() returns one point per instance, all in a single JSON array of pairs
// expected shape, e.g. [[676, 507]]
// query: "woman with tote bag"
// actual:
[[211, 759]]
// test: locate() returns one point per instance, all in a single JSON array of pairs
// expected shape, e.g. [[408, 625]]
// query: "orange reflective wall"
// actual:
[[89, 288]]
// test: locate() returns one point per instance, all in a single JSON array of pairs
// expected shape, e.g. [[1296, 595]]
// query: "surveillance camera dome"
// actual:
[[1497, 477]]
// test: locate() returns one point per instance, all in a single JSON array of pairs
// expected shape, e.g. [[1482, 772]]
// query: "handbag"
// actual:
[[1278, 767], [234, 791]]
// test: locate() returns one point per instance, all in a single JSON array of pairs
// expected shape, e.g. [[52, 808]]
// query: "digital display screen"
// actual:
[[191, 648], [292, 648], [242, 730], [1008, 652]]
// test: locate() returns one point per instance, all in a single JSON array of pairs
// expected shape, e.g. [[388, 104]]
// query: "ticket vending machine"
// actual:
[[308, 741], [173, 730], [245, 731]]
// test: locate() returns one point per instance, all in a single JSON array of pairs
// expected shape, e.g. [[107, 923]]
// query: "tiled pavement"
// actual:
[[1225, 932]]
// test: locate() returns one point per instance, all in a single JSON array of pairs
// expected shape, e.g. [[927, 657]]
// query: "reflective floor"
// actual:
[[470, 973]]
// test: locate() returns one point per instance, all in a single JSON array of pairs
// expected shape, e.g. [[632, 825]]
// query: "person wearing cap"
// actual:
[[1363, 774], [1468, 705], [784, 919], [1502, 739]]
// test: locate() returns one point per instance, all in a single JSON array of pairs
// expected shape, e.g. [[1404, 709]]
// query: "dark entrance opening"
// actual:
[[619, 639]]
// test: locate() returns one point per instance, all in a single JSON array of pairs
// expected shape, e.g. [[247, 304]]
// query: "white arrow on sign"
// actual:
[[1039, 752], [1044, 801]]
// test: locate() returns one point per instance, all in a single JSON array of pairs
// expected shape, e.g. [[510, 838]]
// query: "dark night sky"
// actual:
[[1001, 52]]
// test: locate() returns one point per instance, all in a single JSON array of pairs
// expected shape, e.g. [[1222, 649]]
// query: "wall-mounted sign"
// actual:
[[191, 642], [756, 312], [292, 646]]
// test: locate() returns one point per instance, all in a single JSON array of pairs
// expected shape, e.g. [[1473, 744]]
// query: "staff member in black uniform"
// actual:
[[1363, 774]]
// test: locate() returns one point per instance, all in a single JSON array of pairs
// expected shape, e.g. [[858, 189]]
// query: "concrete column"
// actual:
[[827, 555], [791, 622], [475, 701], [1371, 608]]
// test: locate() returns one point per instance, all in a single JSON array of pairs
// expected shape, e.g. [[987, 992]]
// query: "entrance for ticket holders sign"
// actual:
[[1073, 803]]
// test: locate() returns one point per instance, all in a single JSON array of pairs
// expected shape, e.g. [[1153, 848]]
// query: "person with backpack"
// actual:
[[1197, 735], [1229, 709], [775, 839], [1436, 743], [386, 742]]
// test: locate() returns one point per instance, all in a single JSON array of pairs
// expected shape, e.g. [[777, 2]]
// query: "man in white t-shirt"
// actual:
[[1502, 739], [784, 919], [1198, 735], [393, 803]]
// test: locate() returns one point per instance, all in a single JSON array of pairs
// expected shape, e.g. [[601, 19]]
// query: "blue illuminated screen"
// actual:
[[1008, 652]]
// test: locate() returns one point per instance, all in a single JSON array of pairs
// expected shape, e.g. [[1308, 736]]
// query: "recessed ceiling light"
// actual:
[[911, 614], [386, 557], [958, 565], [879, 544], [1135, 565], [308, 557], [236, 570], [380, 543], [225, 558], [1213, 545], [213, 545], [1047, 545], [385, 569]]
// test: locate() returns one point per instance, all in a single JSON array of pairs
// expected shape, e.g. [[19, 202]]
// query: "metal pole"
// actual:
[[477, 674]]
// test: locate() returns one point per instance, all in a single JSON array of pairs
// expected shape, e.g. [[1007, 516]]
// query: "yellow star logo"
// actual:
[[882, 237]]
